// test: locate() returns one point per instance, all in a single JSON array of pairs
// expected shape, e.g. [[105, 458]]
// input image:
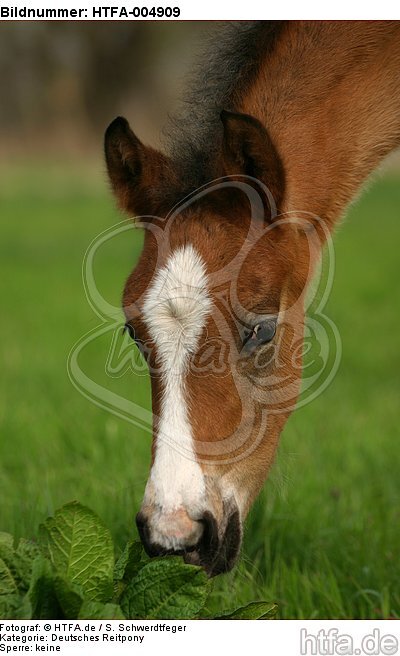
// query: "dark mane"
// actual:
[[228, 62]]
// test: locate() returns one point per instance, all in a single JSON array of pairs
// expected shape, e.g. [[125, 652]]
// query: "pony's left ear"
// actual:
[[247, 148], [136, 171]]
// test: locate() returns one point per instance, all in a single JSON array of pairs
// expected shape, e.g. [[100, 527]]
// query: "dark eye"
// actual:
[[262, 333], [130, 330], [142, 346]]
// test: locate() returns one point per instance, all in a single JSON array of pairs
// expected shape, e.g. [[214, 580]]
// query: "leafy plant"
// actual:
[[70, 574]]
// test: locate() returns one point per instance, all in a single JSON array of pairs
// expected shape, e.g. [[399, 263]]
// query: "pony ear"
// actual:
[[135, 170], [247, 148]]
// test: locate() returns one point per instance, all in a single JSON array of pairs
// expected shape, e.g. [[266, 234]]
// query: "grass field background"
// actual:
[[323, 539]]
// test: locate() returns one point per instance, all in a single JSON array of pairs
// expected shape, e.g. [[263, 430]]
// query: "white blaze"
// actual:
[[175, 312]]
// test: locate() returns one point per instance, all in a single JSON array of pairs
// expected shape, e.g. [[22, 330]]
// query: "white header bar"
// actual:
[[131, 10]]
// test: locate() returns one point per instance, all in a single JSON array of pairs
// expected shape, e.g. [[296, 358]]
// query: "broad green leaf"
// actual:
[[12, 604], [19, 561], [256, 610], [41, 594], [81, 549], [24, 557], [7, 568], [93, 610], [166, 589], [6, 541], [7, 550], [69, 596], [7, 582], [132, 559], [14, 607], [27, 550], [24, 609], [130, 562]]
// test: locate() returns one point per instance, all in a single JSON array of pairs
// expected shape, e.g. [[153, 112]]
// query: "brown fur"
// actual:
[[318, 113]]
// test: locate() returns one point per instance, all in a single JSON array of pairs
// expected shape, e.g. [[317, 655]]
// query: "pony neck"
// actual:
[[329, 96]]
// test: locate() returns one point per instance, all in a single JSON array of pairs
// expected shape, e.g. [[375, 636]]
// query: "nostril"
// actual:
[[140, 521], [209, 539], [219, 546], [142, 527], [230, 545], [208, 546], [144, 534]]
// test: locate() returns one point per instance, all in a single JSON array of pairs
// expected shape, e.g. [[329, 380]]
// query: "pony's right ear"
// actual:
[[248, 149], [135, 170]]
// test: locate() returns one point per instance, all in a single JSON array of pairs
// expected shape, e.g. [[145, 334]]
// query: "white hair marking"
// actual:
[[175, 311]]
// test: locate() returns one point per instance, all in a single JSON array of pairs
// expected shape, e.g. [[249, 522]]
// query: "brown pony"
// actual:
[[284, 122]]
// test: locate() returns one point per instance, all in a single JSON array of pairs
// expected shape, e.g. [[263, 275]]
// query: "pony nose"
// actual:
[[170, 532]]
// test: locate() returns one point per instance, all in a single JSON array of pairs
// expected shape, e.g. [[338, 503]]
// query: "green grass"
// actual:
[[323, 538]]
